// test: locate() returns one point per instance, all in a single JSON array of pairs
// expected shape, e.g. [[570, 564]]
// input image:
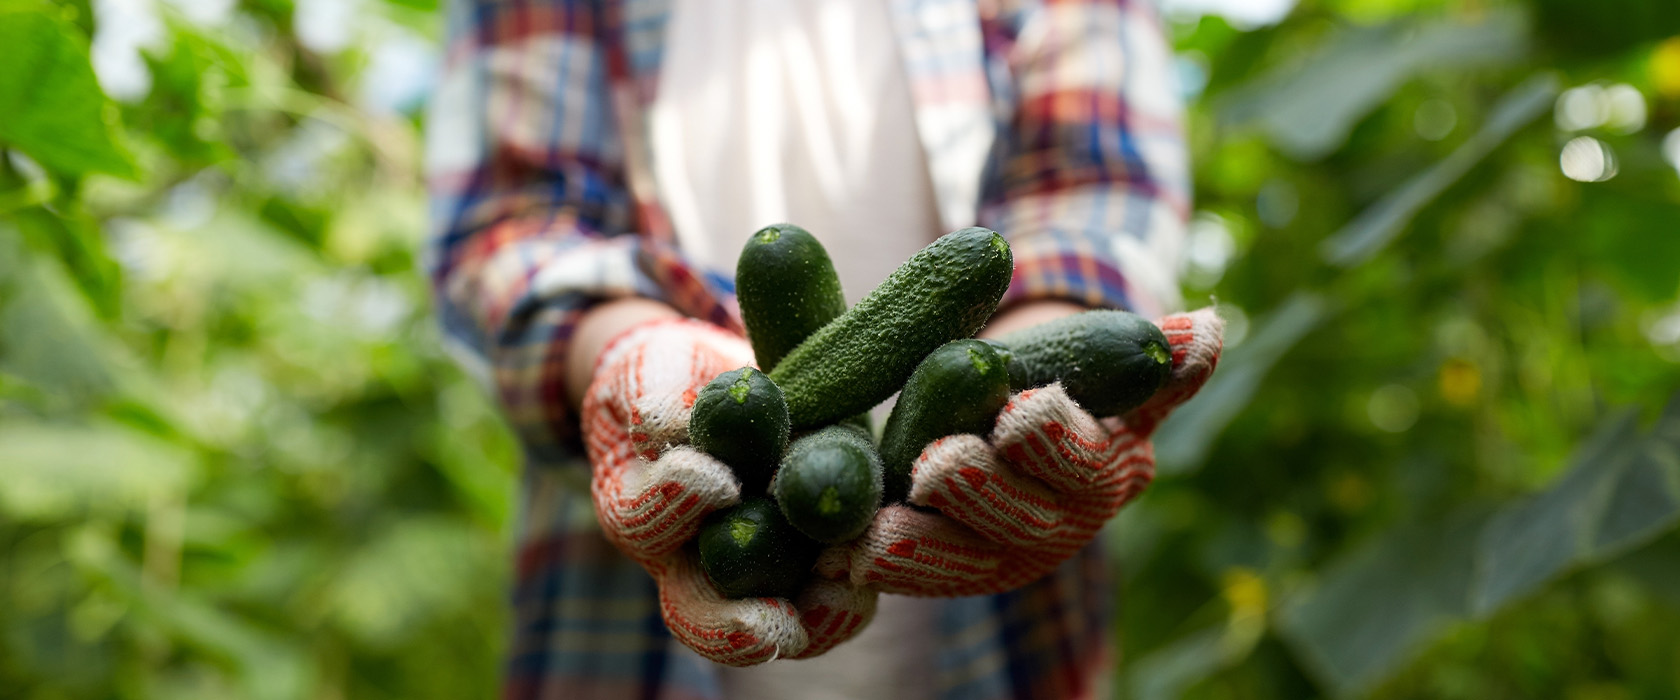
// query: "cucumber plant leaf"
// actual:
[[51, 106]]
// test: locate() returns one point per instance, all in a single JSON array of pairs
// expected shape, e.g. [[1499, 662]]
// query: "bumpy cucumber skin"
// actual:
[[1109, 361], [774, 562], [741, 418], [958, 388], [787, 288], [829, 485], [944, 292]]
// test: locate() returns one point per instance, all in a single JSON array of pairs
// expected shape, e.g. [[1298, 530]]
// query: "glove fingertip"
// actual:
[[1197, 340], [831, 613], [743, 632]]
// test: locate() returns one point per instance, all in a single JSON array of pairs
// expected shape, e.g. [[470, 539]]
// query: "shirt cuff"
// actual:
[[1073, 248], [516, 302]]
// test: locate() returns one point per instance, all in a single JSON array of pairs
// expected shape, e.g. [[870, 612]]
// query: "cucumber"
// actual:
[[1109, 361], [750, 550], [829, 485], [787, 288], [741, 418], [958, 388], [944, 292], [1017, 376]]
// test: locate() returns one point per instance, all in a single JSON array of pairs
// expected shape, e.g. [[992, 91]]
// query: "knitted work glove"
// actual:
[[652, 490], [1016, 505]]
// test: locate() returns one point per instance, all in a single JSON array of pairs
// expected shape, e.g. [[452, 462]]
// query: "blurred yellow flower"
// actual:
[[1665, 67], [1460, 382]]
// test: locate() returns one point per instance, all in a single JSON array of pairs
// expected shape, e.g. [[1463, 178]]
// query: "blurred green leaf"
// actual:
[[1370, 610], [411, 572], [1168, 672], [268, 666], [57, 470], [1644, 502], [78, 243], [1622, 490], [48, 336], [1309, 108], [465, 464], [181, 110], [51, 106], [1529, 542], [1379, 224], [272, 668]]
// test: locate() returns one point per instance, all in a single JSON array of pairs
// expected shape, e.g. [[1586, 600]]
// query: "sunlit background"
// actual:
[[1435, 461]]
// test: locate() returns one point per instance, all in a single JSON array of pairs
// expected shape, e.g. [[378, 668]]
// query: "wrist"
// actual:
[[597, 329], [1028, 314]]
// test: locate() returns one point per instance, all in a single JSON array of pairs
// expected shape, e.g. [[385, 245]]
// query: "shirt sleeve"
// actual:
[[1089, 177], [532, 217]]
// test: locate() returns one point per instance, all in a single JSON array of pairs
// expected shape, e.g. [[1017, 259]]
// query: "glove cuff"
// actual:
[[644, 331]]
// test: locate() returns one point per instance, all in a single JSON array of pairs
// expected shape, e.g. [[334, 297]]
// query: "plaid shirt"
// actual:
[[1053, 122]]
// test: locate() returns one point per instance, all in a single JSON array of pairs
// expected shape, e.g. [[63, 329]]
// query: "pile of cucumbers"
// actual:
[[795, 430]]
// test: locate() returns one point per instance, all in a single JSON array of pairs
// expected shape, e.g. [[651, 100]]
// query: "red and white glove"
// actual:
[[652, 490], [1015, 506]]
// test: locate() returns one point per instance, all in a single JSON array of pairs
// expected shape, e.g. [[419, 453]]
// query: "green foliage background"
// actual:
[[1441, 458]]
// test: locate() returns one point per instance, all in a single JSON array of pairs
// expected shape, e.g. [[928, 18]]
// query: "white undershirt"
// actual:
[[799, 111], [771, 111]]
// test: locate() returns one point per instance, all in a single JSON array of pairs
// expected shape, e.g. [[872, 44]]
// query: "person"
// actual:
[[595, 166]]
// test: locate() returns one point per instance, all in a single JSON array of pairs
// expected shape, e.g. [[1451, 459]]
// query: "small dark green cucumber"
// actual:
[[741, 418], [829, 485], [749, 550], [958, 388]]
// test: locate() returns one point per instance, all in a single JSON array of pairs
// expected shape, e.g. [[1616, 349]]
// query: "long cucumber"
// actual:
[[1109, 361], [946, 291], [958, 388]]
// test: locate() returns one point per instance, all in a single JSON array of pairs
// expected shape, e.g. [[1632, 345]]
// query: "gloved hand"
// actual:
[[652, 490], [1015, 506]]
